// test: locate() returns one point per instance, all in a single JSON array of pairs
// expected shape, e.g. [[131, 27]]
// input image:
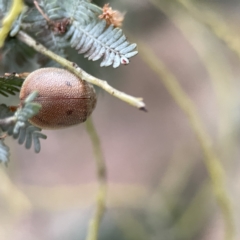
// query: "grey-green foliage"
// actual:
[[10, 85], [17, 125], [84, 32], [72, 23], [4, 6], [4, 152], [15, 55], [36, 25], [90, 35]]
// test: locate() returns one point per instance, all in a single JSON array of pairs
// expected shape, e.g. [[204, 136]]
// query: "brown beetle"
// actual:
[[66, 99]]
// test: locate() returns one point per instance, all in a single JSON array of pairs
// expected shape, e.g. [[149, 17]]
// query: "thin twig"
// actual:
[[211, 160], [215, 23], [3, 136], [211, 66], [74, 68], [16, 9], [20, 76], [8, 121], [18, 202], [102, 180], [41, 11]]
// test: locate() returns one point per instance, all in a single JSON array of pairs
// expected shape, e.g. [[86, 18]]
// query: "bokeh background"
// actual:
[[158, 184]]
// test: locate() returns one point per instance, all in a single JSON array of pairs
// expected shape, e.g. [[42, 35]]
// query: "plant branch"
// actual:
[[8, 121], [102, 179], [211, 160], [215, 23], [217, 66], [16, 9], [74, 68], [17, 202]]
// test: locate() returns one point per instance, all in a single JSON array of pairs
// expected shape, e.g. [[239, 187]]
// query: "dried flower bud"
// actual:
[[111, 16]]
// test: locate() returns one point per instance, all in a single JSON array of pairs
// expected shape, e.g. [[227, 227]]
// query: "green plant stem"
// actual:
[[18, 202], [214, 22], [214, 62], [102, 180], [193, 219], [74, 68], [211, 160], [16, 9]]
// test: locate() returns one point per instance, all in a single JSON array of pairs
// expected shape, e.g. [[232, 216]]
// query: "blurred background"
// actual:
[[158, 184]]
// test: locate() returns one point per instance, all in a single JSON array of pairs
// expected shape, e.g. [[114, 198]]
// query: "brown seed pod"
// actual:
[[66, 99]]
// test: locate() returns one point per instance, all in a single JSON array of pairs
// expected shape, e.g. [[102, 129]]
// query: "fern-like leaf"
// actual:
[[28, 134], [38, 27], [25, 131], [77, 21], [90, 35], [87, 33], [81, 11], [97, 41], [19, 127], [10, 85]]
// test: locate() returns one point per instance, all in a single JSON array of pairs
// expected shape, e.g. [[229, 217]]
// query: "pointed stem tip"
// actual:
[[144, 109]]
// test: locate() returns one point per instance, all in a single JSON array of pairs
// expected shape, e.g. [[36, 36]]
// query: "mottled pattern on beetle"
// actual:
[[65, 99]]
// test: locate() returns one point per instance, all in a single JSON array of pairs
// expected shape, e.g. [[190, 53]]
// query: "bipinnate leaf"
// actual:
[[17, 125]]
